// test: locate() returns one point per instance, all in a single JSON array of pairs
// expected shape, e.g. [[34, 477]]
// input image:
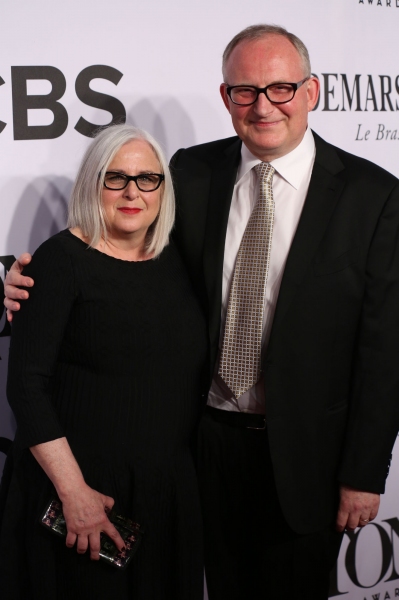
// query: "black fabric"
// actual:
[[237, 419], [110, 354], [250, 550], [6, 476]]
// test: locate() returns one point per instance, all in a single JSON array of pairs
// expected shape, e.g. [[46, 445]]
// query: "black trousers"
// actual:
[[251, 552]]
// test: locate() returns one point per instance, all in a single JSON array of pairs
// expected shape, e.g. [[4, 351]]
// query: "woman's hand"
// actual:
[[84, 508], [85, 512]]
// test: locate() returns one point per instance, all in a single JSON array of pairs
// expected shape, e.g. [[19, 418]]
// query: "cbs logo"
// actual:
[[22, 101]]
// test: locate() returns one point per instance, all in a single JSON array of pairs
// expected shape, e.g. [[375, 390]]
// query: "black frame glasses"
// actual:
[[142, 180], [294, 88]]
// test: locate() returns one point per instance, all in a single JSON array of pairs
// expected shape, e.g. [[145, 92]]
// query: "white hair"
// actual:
[[86, 208]]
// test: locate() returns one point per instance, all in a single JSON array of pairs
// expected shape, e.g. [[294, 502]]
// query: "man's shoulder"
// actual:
[[215, 145], [339, 159], [209, 151]]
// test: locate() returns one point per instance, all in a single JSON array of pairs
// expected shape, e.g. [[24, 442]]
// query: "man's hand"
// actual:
[[356, 508], [13, 279]]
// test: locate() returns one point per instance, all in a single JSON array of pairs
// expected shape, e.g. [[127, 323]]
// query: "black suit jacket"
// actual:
[[331, 369]]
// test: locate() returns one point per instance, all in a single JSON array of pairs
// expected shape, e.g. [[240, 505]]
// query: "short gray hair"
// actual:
[[256, 32], [86, 207]]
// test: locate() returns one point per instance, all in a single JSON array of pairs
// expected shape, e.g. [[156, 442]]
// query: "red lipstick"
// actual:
[[130, 211]]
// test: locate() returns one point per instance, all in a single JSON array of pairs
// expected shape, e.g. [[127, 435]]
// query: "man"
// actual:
[[302, 449]]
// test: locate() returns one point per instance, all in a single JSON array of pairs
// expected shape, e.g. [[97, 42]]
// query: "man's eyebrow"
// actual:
[[253, 85]]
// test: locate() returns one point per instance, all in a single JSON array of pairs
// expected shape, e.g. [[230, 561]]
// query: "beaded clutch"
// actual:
[[131, 533]]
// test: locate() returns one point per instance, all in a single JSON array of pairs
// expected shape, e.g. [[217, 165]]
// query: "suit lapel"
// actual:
[[324, 191], [223, 178]]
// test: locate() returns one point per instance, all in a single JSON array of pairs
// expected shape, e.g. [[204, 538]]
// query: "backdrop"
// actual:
[[68, 67]]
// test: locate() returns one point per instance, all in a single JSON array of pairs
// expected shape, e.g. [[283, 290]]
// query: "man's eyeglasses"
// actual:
[[276, 93], [146, 182]]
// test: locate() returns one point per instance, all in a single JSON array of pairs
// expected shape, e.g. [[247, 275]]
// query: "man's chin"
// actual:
[[266, 147]]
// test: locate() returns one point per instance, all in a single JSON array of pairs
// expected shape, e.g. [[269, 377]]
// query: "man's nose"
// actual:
[[263, 104]]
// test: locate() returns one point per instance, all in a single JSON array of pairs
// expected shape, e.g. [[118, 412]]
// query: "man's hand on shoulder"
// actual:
[[13, 280], [356, 508]]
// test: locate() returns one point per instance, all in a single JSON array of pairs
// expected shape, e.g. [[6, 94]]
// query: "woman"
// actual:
[[105, 381]]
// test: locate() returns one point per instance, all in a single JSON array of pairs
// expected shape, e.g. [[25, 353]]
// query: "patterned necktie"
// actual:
[[240, 358]]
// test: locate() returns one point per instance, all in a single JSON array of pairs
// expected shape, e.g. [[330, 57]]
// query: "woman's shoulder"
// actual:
[[62, 242], [170, 262], [55, 254], [169, 255]]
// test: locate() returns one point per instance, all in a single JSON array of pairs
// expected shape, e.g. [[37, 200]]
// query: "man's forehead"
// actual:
[[270, 59]]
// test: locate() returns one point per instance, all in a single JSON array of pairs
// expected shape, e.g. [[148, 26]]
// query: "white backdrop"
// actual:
[[160, 65]]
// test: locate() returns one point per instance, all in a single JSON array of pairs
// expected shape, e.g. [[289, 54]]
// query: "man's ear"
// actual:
[[313, 90], [223, 93]]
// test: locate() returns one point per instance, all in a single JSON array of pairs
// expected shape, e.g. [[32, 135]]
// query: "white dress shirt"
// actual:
[[290, 186]]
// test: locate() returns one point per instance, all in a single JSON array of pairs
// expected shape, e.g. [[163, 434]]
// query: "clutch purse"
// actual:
[[131, 533]]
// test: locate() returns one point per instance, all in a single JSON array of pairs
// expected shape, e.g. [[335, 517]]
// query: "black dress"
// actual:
[[110, 354]]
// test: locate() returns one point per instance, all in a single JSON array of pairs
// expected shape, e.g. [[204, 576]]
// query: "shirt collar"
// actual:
[[292, 167]]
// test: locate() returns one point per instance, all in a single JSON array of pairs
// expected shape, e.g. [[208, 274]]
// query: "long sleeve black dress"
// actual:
[[108, 353]]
